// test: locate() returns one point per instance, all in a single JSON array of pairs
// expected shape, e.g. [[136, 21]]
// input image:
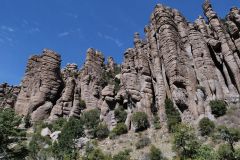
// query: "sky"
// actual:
[[70, 27]]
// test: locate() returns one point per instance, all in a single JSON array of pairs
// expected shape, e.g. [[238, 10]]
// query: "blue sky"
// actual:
[[70, 27]]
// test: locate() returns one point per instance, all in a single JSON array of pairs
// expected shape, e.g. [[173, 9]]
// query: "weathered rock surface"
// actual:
[[189, 63], [8, 95], [40, 86]]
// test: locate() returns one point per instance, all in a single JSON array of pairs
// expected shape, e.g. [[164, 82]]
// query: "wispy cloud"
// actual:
[[7, 28], [107, 37], [63, 34], [34, 30], [7, 35], [111, 27], [72, 32], [73, 15]]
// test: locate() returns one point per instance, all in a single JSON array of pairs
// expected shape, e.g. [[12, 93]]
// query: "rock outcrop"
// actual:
[[189, 63], [40, 86], [8, 95]]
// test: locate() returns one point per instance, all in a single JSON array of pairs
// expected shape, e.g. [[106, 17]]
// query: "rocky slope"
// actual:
[[190, 63]]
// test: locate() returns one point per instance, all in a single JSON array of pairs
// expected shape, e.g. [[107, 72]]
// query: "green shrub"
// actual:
[[82, 104], [143, 142], [237, 154], [39, 125], [94, 153], [72, 130], [91, 118], [120, 114], [225, 152], [120, 129], [140, 121], [10, 133], [155, 153], [173, 116], [206, 126], [59, 123], [97, 154], [205, 153], [156, 122], [101, 131], [123, 155], [230, 135], [185, 141], [218, 108]]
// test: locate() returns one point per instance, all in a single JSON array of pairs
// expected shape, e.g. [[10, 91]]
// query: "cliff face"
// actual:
[[190, 63], [40, 86]]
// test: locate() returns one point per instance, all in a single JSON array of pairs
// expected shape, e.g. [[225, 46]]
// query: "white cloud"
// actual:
[[107, 37], [63, 34], [6, 28], [33, 30]]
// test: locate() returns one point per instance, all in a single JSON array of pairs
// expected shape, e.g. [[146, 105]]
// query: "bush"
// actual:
[[82, 104], [173, 116], [9, 131], [120, 129], [206, 126], [101, 131], [97, 154], [156, 122], [120, 114], [230, 135], [59, 123], [225, 152], [205, 153], [218, 108], [237, 154], [123, 155], [140, 121], [185, 141], [143, 142], [72, 130], [155, 153], [91, 118]]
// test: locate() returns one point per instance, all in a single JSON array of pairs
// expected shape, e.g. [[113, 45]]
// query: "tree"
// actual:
[[10, 133], [101, 131], [140, 121], [91, 118], [206, 126], [72, 130], [218, 108], [230, 135], [155, 153], [120, 114], [173, 116], [185, 141]]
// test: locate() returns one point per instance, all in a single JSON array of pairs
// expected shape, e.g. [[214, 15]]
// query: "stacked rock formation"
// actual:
[[40, 86], [8, 95], [189, 63]]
